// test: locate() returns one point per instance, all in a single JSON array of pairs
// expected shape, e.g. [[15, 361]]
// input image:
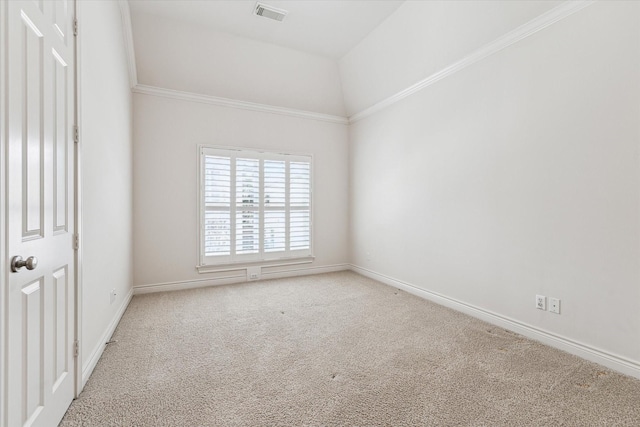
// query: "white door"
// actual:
[[39, 300]]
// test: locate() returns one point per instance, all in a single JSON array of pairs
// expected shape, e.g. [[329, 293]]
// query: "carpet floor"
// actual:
[[335, 349]]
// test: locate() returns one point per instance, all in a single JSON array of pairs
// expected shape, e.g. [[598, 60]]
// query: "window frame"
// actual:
[[230, 262]]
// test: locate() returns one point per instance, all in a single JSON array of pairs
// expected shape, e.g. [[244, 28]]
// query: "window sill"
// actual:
[[216, 268]]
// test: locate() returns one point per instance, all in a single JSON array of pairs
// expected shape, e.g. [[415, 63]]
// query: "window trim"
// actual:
[[267, 261]]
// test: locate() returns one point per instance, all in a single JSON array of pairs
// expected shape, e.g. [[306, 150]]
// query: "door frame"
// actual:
[[77, 206]]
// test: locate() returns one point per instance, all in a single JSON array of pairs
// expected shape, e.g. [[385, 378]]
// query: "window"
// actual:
[[254, 206]]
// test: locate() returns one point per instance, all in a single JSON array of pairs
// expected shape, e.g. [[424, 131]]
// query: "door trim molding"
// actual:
[[77, 189], [129, 47]]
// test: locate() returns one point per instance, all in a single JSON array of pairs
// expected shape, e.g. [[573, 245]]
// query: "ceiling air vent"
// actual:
[[270, 12]]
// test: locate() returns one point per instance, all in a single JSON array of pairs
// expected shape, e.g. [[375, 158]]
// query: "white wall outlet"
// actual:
[[253, 273], [554, 305], [112, 296], [541, 302]]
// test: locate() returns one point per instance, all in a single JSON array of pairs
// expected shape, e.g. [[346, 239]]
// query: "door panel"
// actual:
[[60, 144], [61, 20], [32, 119], [32, 349], [60, 327], [39, 304]]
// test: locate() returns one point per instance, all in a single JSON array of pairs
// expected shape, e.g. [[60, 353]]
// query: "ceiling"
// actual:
[[324, 27]]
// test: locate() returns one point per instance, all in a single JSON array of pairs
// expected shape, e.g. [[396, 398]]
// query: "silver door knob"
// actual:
[[17, 263]]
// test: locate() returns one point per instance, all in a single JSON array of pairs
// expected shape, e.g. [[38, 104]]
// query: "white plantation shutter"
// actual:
[[255, 206], [217, 203], [275, 231], [247, 206], [275, 202], [300, 196]]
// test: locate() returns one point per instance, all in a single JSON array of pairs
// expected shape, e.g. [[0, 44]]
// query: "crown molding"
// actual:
[[233, 103], [206, 99], [127, 33], [556, 14]]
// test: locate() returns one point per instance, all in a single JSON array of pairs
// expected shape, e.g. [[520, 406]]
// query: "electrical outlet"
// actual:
[[541, 302], [253, 273], [554, 305], [112, 296]]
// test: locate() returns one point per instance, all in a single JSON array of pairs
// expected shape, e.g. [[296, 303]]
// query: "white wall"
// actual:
[[422, 37], [186, 57], [167, 133], [106, 176], [516, 176]]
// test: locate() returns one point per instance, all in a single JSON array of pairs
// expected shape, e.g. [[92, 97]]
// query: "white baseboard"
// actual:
[[189, 284], [612, 361], [89, 366], [304, 271], [236, 278]]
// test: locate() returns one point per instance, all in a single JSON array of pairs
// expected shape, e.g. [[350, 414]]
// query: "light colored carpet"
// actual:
[[335, 350]]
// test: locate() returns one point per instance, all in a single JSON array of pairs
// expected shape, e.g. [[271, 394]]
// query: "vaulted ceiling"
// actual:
[[327, 28], [328, 57]]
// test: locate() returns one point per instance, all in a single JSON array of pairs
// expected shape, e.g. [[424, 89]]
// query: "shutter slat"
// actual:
[[274, 183], [247, 182], [299, 186], [217, 184], [217, 193], [247, 232], [217, 233], [275, 231], [299, 196]]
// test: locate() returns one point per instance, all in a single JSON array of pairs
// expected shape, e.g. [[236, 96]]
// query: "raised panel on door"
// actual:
[[33, 349], [59, 321], [33, 130], [61, 14], [60, 143]]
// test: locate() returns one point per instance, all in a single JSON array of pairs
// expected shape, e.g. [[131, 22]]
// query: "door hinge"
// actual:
[[76, 134], [76, 242], [75, 27], [76, 348]]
